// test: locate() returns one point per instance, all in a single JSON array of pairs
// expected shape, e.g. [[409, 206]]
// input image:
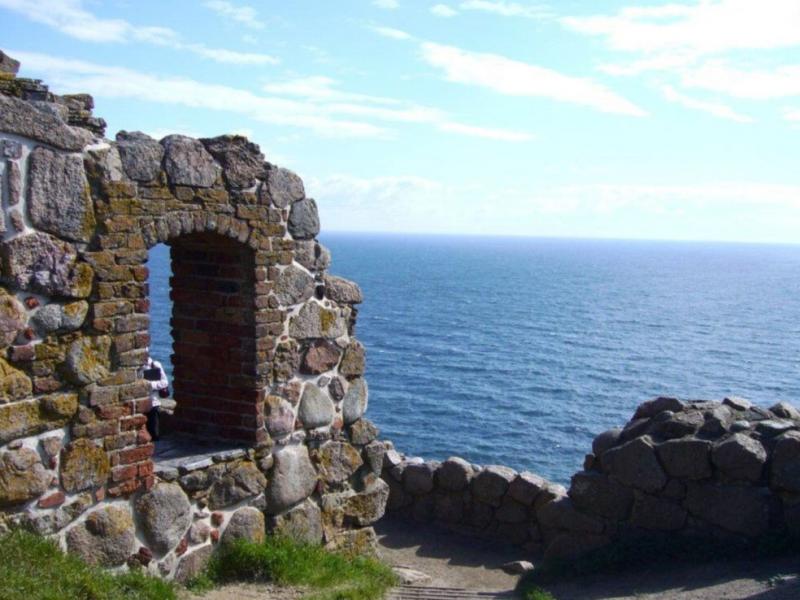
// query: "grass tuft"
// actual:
[[34, 568], [328, 576]]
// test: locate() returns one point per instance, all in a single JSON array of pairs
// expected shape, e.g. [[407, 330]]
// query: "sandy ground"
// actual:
[[456, 561]]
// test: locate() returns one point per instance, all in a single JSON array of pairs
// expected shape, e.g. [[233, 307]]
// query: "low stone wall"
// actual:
[[713, 470]]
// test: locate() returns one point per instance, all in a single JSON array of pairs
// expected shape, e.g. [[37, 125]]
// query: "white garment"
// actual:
[[155, 386]]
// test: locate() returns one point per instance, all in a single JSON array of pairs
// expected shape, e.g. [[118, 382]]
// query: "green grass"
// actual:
[[536, 593], [33, 568], [327, 575]]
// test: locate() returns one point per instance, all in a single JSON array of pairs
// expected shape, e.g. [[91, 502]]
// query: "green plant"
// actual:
[[536, 593], [33, 568], [328, 576]]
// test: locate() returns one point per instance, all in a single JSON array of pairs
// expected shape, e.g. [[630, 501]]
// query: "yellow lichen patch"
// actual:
[[14, 384]]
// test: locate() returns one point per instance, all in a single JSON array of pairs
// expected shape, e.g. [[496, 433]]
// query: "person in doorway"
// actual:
[[154, 373]]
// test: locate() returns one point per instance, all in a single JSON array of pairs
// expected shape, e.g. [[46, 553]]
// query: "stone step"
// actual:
[[409, 592]]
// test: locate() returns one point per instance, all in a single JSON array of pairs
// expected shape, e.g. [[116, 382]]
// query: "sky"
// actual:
[[668, 119]]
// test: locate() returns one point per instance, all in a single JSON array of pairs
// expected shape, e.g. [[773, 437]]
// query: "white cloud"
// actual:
[[515, 78], [242, 14], [761, 84], [442, 10], [792, 114], [703, 27], [491, 134], [508, 9], [119, 82], [390, 32], [70, 18], [323, 90], [314, 103], [418, 204], [319, 87], [386, 4], [721, 111]]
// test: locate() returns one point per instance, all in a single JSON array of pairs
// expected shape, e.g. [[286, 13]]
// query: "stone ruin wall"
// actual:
[[725, 471], [265, 356]]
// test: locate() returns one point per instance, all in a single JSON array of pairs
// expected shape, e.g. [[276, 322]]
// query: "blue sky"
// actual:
[[659, 120]]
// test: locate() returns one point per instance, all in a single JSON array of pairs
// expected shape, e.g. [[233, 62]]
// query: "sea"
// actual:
[[518, 351]]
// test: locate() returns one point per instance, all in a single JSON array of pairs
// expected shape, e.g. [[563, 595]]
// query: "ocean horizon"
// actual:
[[519, 350]]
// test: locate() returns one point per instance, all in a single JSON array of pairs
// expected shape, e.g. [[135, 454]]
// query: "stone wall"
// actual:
[[264, 349], [721, 471]]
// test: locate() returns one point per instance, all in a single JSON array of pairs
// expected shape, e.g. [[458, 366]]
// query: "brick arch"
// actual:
[[222, 327]]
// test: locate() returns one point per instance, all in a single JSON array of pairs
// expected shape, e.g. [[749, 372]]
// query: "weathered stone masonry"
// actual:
[[721, 471], [264, 350]]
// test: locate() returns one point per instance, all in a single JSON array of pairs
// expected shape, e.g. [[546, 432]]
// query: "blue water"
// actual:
[[518, 351]]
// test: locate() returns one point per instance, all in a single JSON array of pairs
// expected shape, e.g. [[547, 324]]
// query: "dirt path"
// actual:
[[455, 561]]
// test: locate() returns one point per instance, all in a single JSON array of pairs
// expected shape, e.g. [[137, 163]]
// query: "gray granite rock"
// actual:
[[246, 523], [39, 262], [651, 512], [598, 494], [373, 456], [192, 564], [293, 479], [686, 458], [336, 461], [652, 407], [22, 476], [314, 321], [418, 478], [88, 359], [743, 510], [321, 356], [241, 160], [107, 163], [316, 408], [141, 155], [187, 162], [59, 317], [164, 514], [106, 538], [635, 464], [312, 255], [740, 457], [13, 318], [784, 410], [492, 483], [354, 404], [353, 360], [605, 441], [561, 513], [58, 195], [367, 506], [304, 220], [362, 432], [279, 416], [526, 487], [785, 470], [294, 285], [302, 523], [240, 481], [21, 118], [454, 474], [14, 182], [342, 291], [8, 64], [285, 188]]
